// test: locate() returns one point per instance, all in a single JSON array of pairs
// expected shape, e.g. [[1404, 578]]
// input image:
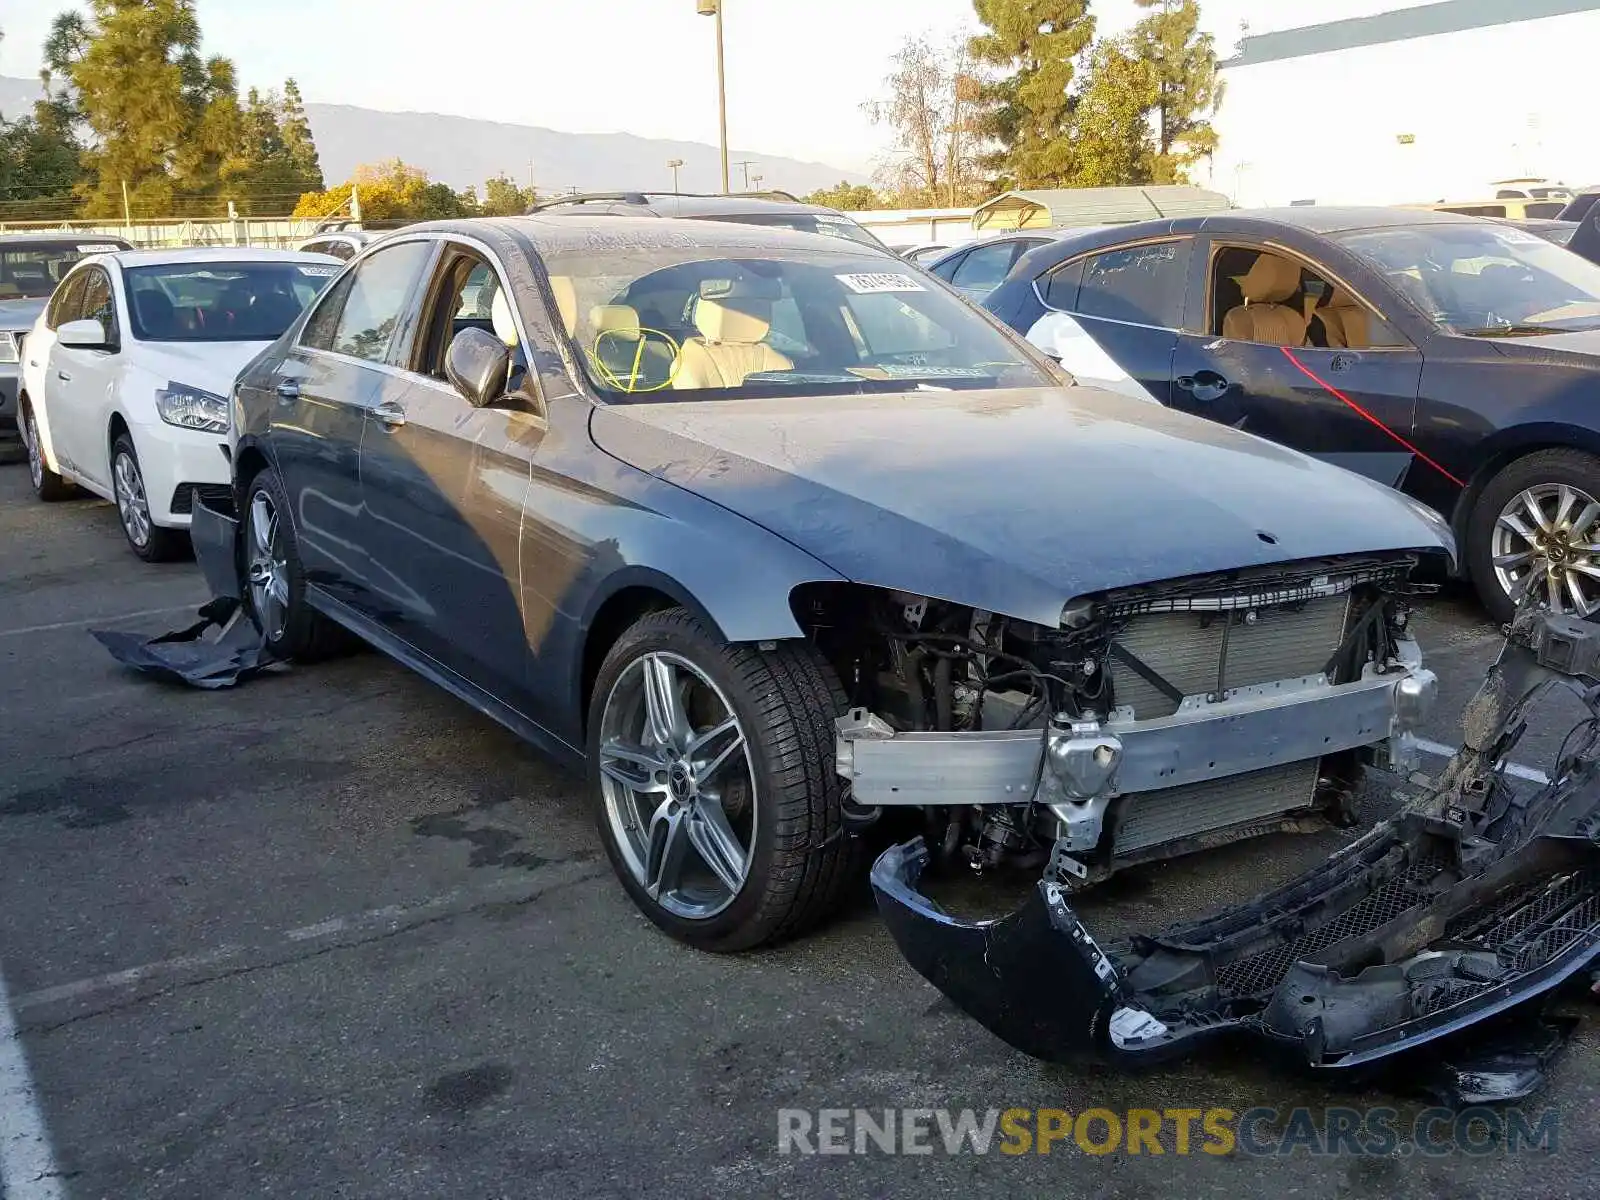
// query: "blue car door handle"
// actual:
[[1205, 385]]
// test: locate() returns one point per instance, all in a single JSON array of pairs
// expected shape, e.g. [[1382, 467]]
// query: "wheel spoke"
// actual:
[[1513, 560], [1592, 570], [667, 849], [1552, 590], [1586, 518], [1514, 523], [631, 766], [703, 750], [717, 844], [1566, 501], [261, 515], [668, 723], [1530, 504]]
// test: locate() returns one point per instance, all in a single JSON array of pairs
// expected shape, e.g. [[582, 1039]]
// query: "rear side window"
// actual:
[[1142, 285]]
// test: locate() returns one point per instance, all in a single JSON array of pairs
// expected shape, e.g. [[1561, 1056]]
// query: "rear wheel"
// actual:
[[275, 582], [47, 485], [148, 540], [1535, 532], [712, 769]]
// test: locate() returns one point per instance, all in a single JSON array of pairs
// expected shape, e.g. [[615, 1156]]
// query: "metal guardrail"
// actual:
[[268, 232]]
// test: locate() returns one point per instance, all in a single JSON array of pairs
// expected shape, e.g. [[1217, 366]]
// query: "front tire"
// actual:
[[274, 580], [47, 485], [1536, 529], [147, 539], [712, 771]]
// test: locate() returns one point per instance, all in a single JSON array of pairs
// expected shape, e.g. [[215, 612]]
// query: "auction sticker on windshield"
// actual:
[[870, 283], [319, 272]]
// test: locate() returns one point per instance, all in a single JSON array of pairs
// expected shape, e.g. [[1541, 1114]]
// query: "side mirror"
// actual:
[[478, 365], [83, 335]]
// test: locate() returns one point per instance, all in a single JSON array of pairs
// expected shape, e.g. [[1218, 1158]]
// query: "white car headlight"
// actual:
[[8, 347], [192, 408]]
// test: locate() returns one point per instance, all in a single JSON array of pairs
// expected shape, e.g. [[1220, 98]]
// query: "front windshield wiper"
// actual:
[[1512, 329]]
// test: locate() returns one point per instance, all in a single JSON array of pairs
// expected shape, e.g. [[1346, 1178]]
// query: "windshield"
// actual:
[[1485, 280], [32, 269], [827, 224], [664, 320], [221, 301]]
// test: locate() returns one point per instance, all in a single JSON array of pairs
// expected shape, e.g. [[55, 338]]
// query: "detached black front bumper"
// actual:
[[1469, 905]]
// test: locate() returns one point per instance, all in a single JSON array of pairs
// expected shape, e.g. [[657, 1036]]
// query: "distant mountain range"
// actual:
[[464, 150]]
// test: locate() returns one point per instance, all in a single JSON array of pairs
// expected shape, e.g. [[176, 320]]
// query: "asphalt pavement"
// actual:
[[334, 934]]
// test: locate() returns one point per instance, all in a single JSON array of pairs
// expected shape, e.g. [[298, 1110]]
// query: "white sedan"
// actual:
[[129, 370]]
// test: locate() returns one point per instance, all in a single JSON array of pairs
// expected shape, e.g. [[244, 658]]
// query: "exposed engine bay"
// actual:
[[1473, 901], [1154, 721]]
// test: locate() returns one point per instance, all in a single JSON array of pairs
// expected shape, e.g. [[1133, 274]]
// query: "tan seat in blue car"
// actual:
[[1264, 317], [729, 348]]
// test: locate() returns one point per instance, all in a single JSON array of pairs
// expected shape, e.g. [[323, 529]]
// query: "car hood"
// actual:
[[1583, 344], [19, 313], [210, 366], [1012, 501]]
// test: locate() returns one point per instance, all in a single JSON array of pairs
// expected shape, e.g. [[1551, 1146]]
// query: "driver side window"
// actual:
[[66, 304]]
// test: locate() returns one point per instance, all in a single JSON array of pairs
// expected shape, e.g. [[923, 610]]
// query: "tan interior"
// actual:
[[1264, 317], [620, 321], [729, 347], [1346, 322], [505, 325]]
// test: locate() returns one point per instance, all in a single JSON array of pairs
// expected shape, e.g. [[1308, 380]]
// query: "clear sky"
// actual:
[[798, 70]]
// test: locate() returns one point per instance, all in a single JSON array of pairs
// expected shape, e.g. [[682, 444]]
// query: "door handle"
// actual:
[[288, 389], [390, 413], [64, 377], [1205, 385]]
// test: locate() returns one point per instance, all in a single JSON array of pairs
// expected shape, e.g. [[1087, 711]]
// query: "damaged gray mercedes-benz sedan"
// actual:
[[779, 541]]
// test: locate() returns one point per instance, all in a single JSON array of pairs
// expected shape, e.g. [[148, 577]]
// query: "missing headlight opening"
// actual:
[[1153, 722], [1446, 925]]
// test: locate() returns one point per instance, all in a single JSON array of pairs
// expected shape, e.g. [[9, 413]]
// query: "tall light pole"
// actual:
[[674, 164], [713, 8]]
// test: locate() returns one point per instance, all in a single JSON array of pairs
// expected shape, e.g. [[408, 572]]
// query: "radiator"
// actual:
[[1186, 649], [1155, 818]]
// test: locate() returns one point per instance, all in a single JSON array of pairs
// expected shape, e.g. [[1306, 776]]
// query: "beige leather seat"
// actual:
[[1264, 317], [566, 295], [1345, 321], [634, 360], [729, 348], [505, 325]]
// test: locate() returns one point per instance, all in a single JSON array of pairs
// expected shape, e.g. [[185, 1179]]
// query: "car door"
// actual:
[[82, 382], [1352, 405], [443, 485], [1113, 315], [322, 388], [983, 269], [37, 347]]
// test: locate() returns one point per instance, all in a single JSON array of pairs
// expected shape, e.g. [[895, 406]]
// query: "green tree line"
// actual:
[[1034, 99], [136, 119]]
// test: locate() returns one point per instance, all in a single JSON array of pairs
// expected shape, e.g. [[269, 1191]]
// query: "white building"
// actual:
[[1384, 103]]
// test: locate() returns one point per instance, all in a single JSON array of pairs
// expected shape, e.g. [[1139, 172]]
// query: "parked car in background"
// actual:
[[775, 210], [343, 244], [1550, 229], [720, 514], [977, 268], [130, 367], [30, 267], [1510, 207], [1455, 358], [923, 254]]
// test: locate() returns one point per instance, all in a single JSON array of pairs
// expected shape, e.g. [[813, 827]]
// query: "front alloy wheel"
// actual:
[[679, 787], [714, 785], [1546, 544], [149, 541], [268, 566]]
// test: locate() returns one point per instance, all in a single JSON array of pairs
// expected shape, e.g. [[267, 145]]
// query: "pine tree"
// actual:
[[1112, 132], [1026, 106], [1188, 88], [40, 164], [298, 142]]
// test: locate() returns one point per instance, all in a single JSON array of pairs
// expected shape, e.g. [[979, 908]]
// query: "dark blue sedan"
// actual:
[[1455, 358]]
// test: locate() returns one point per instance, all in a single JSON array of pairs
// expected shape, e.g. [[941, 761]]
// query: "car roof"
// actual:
[[61, 239], [579, 231], [684, 204], [205, 254]]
